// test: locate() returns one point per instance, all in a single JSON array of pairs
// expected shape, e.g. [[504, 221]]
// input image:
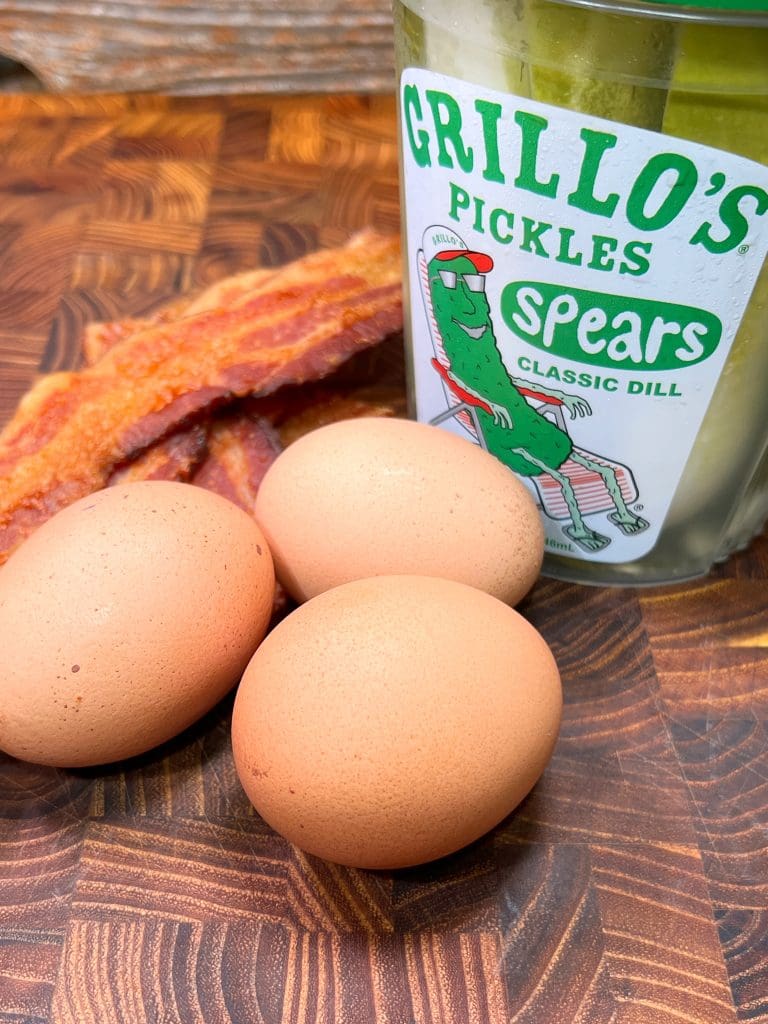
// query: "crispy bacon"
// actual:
[[99, 338], [289, 326], [175, 457], [241, 448]]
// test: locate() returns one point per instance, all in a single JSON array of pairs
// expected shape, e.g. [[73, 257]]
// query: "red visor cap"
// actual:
[[480, 260]]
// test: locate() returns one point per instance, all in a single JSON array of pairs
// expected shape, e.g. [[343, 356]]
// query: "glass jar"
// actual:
[[585, 217]]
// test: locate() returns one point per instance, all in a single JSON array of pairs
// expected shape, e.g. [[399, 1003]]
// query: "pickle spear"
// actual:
[[698, 107], [453, 50], [409, 37], [597, 62], [733, 433]]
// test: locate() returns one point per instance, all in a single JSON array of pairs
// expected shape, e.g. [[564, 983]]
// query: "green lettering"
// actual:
[[459, 201], [496, 216], [532, 232], [478, 225], [419, 142], [733, 219], [602, 247], [636, 260], [583, 197], [680, 191], [532, 126], [490, 114], [446, 114], [565, 255]]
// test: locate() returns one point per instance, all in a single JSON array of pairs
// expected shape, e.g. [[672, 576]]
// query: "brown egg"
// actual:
[[393, 720], [375, 496], [125, 618]]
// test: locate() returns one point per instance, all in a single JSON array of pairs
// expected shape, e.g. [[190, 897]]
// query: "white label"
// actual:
[[576, 286]]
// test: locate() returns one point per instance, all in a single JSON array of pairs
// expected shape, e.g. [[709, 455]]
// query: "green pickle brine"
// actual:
[[585, 216]]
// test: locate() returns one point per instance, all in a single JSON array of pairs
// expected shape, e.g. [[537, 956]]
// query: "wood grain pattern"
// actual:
[[630, 887], [223, 46]]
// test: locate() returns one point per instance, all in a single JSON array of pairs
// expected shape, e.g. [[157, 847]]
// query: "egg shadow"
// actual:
[[210, 734], [465, 891]]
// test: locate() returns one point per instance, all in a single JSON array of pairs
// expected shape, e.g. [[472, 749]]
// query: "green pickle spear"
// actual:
[[733, 432], [459, 55], [609, 65], [547, 52], [409, 36]]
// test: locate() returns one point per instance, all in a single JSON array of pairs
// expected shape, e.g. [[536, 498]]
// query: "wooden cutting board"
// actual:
[[630, 887]]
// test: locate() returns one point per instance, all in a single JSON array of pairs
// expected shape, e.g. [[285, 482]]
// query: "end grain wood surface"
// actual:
[[222, 46], [630, 887]]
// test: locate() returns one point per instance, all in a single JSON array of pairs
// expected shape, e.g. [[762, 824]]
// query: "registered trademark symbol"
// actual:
[[743, 249]]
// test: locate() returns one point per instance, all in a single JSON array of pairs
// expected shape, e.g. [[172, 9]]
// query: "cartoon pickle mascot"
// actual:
[[530, 444]]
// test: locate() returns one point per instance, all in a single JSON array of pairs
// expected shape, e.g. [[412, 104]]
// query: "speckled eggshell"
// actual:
[[393, 720], [125, 618], [376, 496]]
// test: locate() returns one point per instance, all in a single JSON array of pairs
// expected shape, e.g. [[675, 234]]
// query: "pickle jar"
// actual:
[[585, 219]]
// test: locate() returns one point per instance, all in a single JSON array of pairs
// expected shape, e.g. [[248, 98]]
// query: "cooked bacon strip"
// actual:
[[99, 338], [241, 448], [296, 326], [175, 457], [231, 292], [294, 411], [242, 444], [231, 452]]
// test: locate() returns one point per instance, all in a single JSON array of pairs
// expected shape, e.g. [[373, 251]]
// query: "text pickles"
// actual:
[[513, 153]]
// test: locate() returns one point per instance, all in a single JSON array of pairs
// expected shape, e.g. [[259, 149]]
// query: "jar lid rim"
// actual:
[[742, 12], [716, 5]]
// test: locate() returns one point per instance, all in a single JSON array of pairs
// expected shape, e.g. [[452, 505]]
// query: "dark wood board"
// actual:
[[630, 887]]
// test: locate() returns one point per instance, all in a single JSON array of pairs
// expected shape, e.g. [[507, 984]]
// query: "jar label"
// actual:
[[576, 286]]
